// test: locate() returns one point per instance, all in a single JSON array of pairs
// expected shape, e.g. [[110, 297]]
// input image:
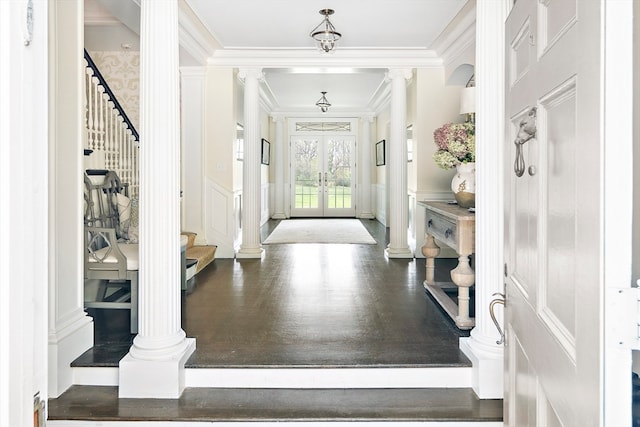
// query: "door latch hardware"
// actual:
[[500, 300]]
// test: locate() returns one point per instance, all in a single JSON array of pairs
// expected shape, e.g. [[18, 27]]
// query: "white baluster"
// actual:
[[96, 114], [101, 119], [89, 90], [121, 153]]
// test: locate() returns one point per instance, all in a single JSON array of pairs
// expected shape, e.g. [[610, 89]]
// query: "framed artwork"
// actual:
[[380, 160], [266, 154]]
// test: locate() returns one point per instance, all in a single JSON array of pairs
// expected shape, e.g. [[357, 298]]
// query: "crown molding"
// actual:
[[313, 113], [458, 35], [286, 58], [193, 35]]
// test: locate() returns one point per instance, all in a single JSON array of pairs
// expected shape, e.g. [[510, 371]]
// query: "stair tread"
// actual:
[[101, 403]]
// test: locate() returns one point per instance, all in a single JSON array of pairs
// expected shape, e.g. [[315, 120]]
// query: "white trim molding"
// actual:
[[392, 58]]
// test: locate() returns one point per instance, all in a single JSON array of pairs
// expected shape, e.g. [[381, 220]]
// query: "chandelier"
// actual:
[[325, 33], [322, 103]]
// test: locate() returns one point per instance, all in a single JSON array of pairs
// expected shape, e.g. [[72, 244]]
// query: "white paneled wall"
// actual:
[[221, 213], [381, 203]]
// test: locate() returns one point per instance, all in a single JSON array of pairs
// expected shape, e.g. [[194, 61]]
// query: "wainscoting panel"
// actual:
[[381, 203], [264, 203], [220, 221]]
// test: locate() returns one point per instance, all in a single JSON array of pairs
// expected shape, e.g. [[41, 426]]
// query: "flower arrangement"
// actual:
[[456, 144]]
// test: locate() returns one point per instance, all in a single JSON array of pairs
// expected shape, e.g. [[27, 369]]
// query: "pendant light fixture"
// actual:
[[322, 103], [325, 33]]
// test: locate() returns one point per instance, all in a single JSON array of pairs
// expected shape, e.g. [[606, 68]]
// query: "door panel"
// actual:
[[553, 292]]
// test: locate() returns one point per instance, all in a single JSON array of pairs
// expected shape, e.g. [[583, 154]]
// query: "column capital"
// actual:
[[368, 118], [251, 73], [399, 73], [277, 117]]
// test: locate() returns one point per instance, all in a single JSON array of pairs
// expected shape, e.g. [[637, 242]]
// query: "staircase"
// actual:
[[111, 139]]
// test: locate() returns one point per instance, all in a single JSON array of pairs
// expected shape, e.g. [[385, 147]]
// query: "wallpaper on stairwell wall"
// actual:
[[121, 70]]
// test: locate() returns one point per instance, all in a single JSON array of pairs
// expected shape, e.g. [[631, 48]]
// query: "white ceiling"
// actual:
[[283, 26]]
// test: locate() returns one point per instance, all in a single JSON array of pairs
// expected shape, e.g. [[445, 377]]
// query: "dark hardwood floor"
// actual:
[[305, 305], [302, 305]]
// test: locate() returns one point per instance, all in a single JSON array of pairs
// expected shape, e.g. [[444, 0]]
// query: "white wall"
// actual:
[[636, 145], [192, 97], [70, 329], [24, 220], [220, 166], [381, 206], [436, 105]]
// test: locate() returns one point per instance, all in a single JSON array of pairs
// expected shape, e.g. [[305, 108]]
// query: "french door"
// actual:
[[323, 176]]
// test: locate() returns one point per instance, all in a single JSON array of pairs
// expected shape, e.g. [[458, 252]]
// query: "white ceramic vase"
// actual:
[[463, 185]]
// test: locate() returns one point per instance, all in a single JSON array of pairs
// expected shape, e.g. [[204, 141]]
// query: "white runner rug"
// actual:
[[320, 231]]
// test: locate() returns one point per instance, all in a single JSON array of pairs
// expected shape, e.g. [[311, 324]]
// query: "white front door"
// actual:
[[322, 172], [554, 215]]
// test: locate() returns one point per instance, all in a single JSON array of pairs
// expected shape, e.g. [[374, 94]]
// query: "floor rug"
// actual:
[[320, 231]]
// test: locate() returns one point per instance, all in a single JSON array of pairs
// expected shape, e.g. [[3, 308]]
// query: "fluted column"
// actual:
[[279, 213], [398, 201], [365, 192], [251, 247], [154, 366], [481, 347]]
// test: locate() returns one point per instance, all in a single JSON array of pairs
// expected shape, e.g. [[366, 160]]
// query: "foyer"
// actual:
[[313, 313]]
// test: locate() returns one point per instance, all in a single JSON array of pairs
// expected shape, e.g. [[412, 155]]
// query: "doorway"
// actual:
[[323, 176]]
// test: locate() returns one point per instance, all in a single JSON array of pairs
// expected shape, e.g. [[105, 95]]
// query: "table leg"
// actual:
[[430, 250], [464, 277]]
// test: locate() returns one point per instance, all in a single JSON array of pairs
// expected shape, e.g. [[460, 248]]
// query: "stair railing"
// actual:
[[109, 129]]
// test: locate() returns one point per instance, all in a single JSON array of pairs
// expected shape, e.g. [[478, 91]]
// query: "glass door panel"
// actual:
[[307, 177], [339, 165]]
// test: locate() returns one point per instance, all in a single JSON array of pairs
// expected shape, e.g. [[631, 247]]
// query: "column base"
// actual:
[[398, 252], [488, 367], [160, 379], [249, 253], [278, 216]]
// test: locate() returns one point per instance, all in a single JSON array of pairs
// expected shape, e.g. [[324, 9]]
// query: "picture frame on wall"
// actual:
[[380, 159], [265, 157]]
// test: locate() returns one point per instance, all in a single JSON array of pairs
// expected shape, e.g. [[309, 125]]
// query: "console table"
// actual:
[[455, 227]]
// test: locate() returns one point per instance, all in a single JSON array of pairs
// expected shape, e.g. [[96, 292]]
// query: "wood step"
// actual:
[[300, 377], [95, 406]]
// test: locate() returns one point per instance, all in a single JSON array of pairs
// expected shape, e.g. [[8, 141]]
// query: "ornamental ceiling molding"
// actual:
[[458, 36]]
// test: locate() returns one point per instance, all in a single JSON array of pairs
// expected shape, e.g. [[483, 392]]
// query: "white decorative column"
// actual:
[[365, 188], [398, 199], [279, 213], [251, 247], [154, 366], [481, 347]]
